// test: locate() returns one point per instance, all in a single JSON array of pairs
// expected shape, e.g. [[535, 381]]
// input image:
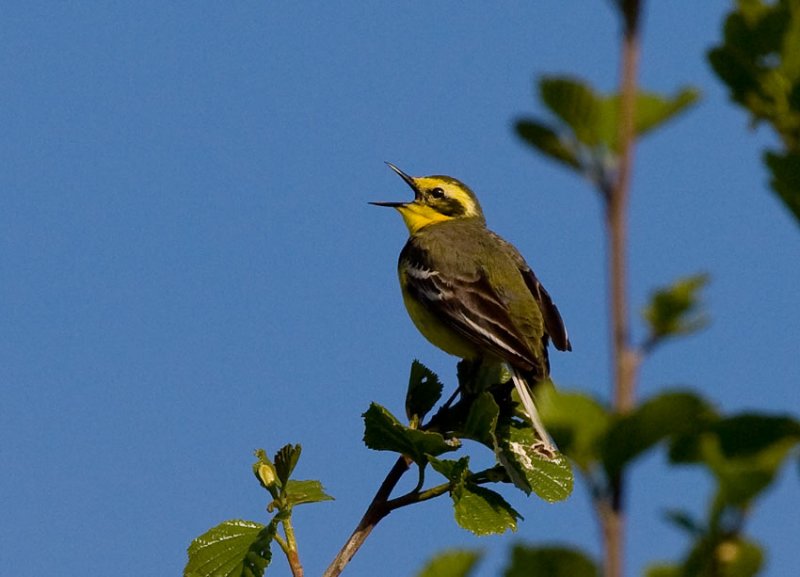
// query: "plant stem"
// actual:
[[625, 357], [291, 552], [282, 544], [418, 496]]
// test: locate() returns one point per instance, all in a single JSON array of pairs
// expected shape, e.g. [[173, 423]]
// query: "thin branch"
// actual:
[[617, 217], [282, 544], [414, 497], [294, 559], [625, 357]]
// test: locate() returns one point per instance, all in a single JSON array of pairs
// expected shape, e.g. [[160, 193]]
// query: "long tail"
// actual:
[[544, 444]]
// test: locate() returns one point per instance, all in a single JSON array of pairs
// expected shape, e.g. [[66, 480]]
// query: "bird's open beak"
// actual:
[[409, 181]]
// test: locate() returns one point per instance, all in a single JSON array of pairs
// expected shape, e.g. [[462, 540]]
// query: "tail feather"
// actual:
[[545, 444]]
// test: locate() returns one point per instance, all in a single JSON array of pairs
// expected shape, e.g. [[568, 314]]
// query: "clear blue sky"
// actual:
[[190, 269]]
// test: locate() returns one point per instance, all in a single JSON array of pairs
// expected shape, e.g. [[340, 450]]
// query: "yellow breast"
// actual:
[[439, 334]]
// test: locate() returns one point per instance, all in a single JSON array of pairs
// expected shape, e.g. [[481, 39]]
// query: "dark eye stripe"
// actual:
[[450, 207]]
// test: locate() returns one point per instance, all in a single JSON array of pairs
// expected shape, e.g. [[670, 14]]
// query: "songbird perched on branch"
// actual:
[[470, 293]]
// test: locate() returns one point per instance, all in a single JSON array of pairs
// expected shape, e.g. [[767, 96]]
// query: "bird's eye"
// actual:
[[437, 192]]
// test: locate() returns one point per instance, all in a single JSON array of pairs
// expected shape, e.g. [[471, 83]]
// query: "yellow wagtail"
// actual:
[[470, 293]]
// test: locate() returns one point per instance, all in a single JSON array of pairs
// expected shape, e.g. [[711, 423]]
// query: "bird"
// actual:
[[471, 293]]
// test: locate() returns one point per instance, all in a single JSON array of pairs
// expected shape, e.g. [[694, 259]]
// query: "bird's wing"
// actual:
[[471, 307], [553, 323]]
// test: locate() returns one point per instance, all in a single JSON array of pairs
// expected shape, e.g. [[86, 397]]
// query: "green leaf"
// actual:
[[231, 549], [785, 180], [551, 479], [740, 558], [748, 434], [663, 570], [734, 557], [674, 310], [482, 420], [744, 452], [383, 432], [653, 110], [760, 64], [477, 509], [575, 103], [667, 414], [482, 511], [453, 563], [455, 471], [684, 520], [576, 421], [550, 562], [475, 377], [595, 119], [299, 492], [548, 142], [286, 460], [424, 390]]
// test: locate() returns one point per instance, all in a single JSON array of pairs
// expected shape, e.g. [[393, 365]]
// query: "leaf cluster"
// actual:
[[484, 413], [524, 561], [243, 548], [675, 310], [759, 61], [743, 453], [584, 134]]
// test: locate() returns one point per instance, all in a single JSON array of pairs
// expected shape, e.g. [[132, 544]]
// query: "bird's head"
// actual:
[[436, 199]]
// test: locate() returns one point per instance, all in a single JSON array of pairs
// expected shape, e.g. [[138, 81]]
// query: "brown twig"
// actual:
[[291, 555], [625, 357]]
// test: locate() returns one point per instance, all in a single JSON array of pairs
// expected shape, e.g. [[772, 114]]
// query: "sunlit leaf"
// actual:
[[550, 562], [651, 111], [482, 511], [231, 549], [424, 390], [576, 104], [311, 491], [676, 309], [383, 432], [453, 563], [550, 478]]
